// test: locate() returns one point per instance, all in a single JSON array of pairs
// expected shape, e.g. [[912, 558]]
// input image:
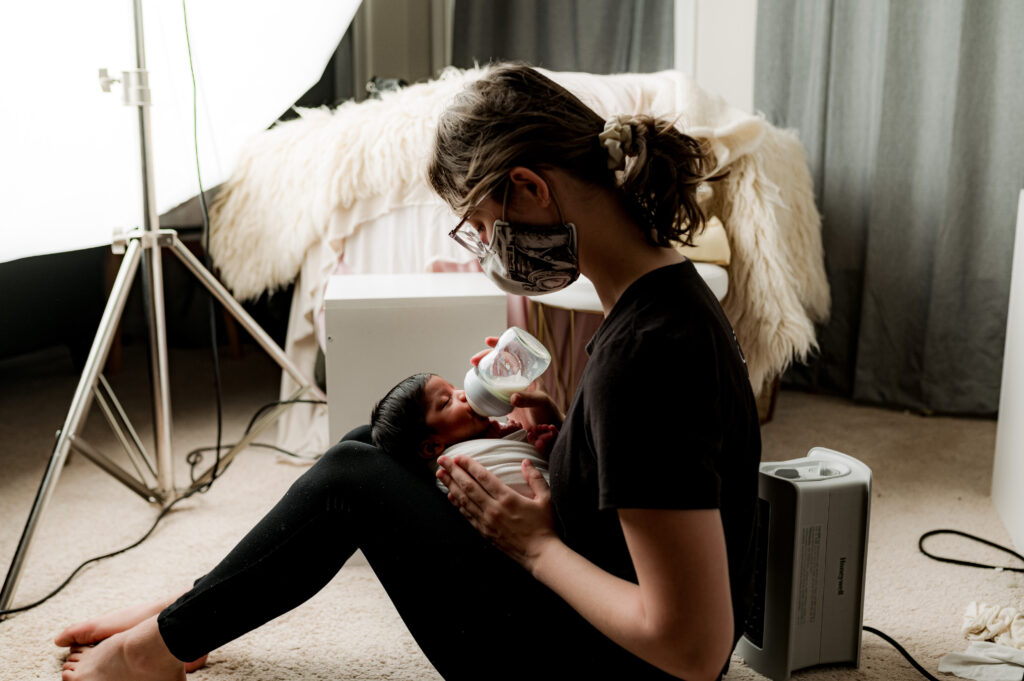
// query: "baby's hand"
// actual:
[[542, 438], [498, 429]]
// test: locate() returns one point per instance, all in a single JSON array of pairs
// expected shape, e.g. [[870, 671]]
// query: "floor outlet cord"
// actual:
[[955, 561], [193, 457]]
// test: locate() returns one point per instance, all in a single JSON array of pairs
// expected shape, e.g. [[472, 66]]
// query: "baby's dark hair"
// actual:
[[398, 423]]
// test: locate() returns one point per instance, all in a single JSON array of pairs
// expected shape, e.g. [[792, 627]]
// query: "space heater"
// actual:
[[808, 604]]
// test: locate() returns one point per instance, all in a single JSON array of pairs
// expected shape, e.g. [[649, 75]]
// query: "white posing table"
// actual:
[[382, 328]]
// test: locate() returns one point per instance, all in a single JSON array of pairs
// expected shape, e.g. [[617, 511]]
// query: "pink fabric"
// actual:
[[568, 352]]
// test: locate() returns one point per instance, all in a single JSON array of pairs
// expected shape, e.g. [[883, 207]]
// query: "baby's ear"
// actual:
[[430, 449]]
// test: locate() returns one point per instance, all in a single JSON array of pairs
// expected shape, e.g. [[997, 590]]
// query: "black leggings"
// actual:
[[473, 611]]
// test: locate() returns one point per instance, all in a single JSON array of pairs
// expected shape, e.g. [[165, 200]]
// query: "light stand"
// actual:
[[152, 478]]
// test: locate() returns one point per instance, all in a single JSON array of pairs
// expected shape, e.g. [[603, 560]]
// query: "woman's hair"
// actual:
[[398, 423], [515, 116]]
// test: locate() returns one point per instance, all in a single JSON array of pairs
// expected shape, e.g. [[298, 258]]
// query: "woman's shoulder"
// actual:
[[668, 331]]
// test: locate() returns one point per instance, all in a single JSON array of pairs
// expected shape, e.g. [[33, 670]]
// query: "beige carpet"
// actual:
[[929, 473]]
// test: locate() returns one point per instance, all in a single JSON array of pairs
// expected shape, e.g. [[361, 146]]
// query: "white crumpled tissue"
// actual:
[[985, 661], [983, 622]]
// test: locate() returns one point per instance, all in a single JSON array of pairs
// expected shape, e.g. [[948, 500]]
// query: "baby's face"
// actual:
[[449, 415]]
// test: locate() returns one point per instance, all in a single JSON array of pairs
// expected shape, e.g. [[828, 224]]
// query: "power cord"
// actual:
[[164, 511], [216, 471], [195, 458], [924, 672], [955, 561]]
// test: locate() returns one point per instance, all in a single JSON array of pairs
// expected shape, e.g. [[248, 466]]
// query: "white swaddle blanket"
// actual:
[[503, 457]]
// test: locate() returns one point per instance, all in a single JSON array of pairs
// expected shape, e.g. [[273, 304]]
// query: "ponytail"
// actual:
[[659, 176]]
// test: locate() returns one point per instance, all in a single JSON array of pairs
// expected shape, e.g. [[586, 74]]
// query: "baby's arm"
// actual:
[[542, 438]]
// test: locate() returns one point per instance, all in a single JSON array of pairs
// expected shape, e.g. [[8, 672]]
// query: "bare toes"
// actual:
[[75, 634]]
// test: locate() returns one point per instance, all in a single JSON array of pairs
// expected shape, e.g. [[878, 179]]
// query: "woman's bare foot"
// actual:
[[100, 628], [137, 654]]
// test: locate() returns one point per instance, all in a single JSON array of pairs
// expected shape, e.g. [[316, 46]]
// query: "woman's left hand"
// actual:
[[516, 524]]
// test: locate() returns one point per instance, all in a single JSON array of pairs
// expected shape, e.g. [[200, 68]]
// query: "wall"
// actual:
[[715, 43], [408, 39], [1008, 470]]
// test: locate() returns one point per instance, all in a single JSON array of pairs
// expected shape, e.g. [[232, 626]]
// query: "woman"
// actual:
[[638, 559]]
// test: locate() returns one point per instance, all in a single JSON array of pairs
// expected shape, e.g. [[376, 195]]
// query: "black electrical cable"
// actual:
[[166, 509], [967, 563], [195, 458], [903, 652], [955, 561], [270, 405], [206, 257], [78, 569], [197, 453]]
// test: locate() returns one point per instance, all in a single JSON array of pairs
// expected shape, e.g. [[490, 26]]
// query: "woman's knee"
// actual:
[[348, 459], [360, 433], [353, 463]]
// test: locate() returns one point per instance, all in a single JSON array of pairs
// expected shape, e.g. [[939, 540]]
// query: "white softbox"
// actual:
[[70, 157]]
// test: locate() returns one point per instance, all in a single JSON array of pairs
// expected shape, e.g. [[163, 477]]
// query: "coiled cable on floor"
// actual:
[[968, 563], [954, 561]]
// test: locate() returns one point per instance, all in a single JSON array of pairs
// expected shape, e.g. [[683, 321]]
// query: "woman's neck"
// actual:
[[613, 251]]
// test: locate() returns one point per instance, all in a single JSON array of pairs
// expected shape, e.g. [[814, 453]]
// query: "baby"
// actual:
[[427, 415]]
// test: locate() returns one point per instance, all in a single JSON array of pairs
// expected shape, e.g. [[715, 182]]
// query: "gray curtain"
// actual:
[[912, 112], [599, 36]]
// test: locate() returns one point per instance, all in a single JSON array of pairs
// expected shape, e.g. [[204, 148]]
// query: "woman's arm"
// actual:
[[678, 617]]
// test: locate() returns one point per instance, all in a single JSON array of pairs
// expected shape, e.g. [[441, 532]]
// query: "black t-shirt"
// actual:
[[663, 418]]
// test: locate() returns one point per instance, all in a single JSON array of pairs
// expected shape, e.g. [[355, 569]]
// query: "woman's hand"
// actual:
[[518, 525], [535, 408], [530, 408]]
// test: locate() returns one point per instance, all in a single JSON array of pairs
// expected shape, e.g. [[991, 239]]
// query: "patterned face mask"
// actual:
[[527, 259]]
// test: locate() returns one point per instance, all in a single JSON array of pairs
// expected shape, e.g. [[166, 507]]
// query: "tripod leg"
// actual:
[[243, 317], [158, 369], [79, 409]]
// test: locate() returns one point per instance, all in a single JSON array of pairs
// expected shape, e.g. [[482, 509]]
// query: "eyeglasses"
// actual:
[[467, 236]]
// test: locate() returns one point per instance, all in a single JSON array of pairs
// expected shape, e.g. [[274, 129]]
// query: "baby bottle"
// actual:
[[510, 367]]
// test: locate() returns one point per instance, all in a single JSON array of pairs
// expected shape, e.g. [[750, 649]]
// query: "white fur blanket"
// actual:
[[305, 186]]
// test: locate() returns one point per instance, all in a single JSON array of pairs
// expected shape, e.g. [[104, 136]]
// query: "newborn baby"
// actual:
[[426, 415]]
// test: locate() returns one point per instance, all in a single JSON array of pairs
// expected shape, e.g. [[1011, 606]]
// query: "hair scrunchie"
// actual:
[[617, 139]]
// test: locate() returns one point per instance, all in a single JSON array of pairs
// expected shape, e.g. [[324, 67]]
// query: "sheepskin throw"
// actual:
[[303, 187]]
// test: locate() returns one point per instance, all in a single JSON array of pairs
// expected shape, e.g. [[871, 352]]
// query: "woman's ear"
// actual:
[[527, 183], [430, 448]]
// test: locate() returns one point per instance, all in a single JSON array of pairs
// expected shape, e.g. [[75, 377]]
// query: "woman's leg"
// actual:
[[464, 601], [292, 553]]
